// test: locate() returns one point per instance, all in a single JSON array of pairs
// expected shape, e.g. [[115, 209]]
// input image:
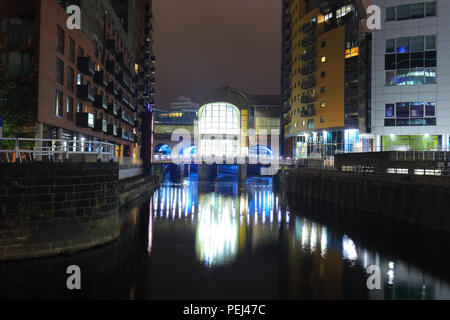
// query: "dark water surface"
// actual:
[[222, 240]]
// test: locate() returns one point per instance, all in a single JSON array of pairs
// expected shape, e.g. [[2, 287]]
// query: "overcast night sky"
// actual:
[[201, 44]]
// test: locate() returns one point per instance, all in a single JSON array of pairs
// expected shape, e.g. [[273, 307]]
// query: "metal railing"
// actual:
[[199, 159], [26, 150], [325, 150]]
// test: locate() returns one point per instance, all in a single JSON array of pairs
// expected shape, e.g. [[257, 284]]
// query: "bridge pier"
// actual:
[[207, 172], [242, 173], [178, 171]]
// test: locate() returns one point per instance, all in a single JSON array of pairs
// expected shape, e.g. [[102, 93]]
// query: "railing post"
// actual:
[[17, 150], [99, 151]]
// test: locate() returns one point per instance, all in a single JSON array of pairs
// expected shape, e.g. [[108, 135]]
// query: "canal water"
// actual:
[[225, 240]]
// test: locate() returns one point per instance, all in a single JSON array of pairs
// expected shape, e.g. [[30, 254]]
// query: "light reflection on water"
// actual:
[[223, 218], [223, 240]]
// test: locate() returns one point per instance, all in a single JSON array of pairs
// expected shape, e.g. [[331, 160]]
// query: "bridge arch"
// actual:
[[163, 148], [260, 150], [188, 151]]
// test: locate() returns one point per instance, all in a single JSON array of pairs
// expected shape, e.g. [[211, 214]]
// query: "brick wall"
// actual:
[[51, 208]]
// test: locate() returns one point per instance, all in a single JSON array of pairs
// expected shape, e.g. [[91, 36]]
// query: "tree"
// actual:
[[17, 106]]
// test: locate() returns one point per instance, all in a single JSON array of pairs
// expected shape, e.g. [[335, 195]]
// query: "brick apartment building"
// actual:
[[93, 84]]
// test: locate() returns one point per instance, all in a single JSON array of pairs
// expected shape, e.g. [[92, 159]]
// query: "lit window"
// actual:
[[219, 123], [323, 59], [343, 11], [322, 104], [328, 16]]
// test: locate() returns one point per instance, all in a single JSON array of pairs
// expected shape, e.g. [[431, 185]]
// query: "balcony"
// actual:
[[85, 120], [133, 105], [308, 98], [125, 135], [101, 125], [119, 76], [100, 78], [308, 83], [287, 34], [309, 54], [111, 130], [112, 88], [152, 70], [125, 116], [111, 46], [123, 62], [133, 91], [308, 27], [286, 119], [126, 99], [152, 92], [309, 111], [309, 40], [119, 95], [86, 66], [287, 58], [309, 68], [287, 92], [152, 80], [101, 102], [112, 108], [111, 67], [148, 18], [126, 83], [148, 31], [287, 21], [85, 92], [153, 59]]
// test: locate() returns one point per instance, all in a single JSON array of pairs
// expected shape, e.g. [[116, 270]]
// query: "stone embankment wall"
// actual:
[[419, 200], [53, 208]]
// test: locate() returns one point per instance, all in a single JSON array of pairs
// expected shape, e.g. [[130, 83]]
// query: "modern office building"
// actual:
[[93, 84], [411, 75], [184, 103], [225, 117], [221, 125], [325, 77]]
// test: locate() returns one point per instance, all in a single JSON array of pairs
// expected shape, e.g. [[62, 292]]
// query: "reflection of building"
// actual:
[[410, 78], [222, 218], [93, 83], [324, 75]]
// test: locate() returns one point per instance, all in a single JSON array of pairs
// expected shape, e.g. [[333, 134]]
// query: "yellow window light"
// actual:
[[353, 52]]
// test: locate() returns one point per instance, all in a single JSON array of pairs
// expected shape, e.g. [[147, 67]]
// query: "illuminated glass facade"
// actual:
[[219, 129]]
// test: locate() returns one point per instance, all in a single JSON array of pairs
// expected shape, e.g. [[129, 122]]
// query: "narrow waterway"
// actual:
[[224, 240]]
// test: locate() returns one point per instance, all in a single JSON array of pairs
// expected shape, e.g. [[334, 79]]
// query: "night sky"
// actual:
[[202, 44]]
